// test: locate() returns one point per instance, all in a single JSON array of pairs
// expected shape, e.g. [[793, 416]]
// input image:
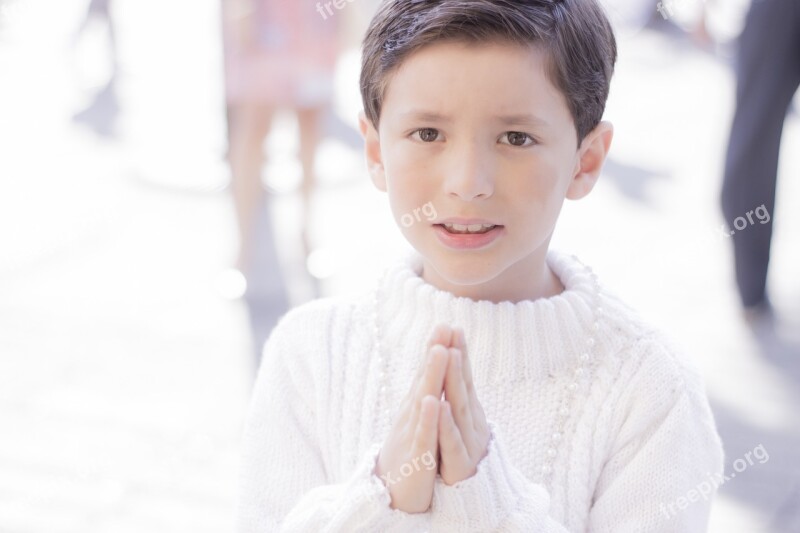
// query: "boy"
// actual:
[[486, 383]]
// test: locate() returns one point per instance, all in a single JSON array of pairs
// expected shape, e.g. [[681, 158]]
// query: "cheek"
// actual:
[[538, 180], [411, 189], [410, 177], [536, 193]]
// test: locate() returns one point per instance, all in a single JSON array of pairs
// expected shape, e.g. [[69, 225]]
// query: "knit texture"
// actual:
[[607, 448]]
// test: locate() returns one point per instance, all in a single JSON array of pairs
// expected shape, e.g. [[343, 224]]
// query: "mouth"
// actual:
[[469, 229], [468, 236]]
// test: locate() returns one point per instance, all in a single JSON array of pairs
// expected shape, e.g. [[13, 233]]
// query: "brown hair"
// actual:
[[575, 34]]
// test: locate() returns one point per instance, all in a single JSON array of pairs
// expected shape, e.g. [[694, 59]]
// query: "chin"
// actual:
[[464, 268]]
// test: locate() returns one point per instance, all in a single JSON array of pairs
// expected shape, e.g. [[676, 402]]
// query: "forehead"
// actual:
[[475, 79]]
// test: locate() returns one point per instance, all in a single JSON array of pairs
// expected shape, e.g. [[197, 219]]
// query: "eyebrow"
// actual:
[[425, 116], [524, 118], [432, 116]]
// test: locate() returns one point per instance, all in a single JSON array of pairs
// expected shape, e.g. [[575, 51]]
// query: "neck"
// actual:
[[528, 279], [527, 339]]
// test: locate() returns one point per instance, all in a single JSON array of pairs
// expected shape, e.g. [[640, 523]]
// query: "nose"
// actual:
[[470, 172]]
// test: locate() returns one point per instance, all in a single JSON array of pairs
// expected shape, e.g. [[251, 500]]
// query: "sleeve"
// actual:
[[662, 479], [283, 484], [668, 460]]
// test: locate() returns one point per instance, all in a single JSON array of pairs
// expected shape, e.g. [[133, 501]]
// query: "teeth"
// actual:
[[472, 228]]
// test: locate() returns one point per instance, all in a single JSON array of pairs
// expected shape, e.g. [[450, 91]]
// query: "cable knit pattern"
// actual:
[[638, 432]]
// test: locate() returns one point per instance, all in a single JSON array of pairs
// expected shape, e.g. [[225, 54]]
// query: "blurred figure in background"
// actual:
[[102, 112], [767, 76], [278, 54]]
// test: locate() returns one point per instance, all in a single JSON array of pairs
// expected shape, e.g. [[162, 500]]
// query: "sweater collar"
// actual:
[[531, 339]]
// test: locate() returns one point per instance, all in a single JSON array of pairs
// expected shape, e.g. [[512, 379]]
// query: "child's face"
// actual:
[[501, 148]]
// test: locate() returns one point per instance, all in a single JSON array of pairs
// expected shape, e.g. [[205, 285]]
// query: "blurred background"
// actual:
[[164, 200]]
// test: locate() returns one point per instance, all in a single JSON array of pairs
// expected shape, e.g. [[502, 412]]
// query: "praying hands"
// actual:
[[453, 429]]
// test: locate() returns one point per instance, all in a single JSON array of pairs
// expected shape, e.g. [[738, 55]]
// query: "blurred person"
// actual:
[[99, 10], [767, 77], [485, 382], [278, 54], [102, 112]]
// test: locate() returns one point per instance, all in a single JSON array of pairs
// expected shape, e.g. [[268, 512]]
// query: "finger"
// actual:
[[432, 381], [455, 457], [442, 334], [478, 415], [459, 339], [457, 396], [426, 435], [460, 342]]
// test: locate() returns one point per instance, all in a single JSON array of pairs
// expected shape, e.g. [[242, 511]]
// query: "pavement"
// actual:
[[125, 372]]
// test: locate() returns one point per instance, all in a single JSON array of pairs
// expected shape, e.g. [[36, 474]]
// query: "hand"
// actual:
[[407, 462], [463, 430]]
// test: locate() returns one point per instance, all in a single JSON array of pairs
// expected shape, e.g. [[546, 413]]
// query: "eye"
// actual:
[[427, 135], [518, 138]]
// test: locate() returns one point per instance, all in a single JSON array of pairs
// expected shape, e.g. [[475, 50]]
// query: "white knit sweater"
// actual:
[[598, 424]]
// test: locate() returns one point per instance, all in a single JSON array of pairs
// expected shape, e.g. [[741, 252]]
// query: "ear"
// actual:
[[372, 149], [591, 156]]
